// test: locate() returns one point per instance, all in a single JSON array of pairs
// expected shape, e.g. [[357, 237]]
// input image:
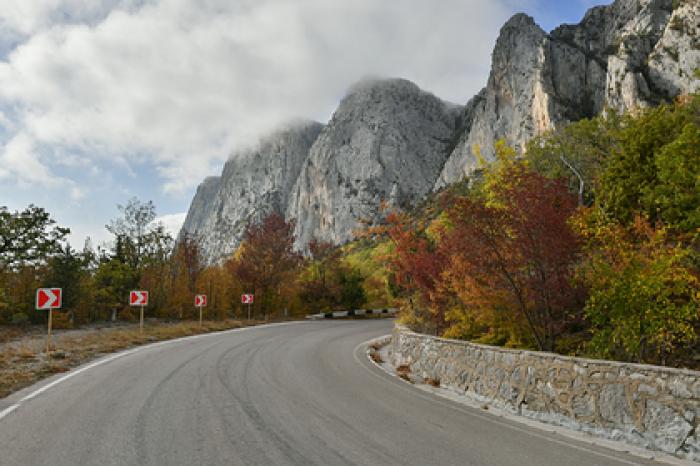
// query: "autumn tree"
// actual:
[[186, 266], [418, 263], [330, 283], [189, 259], [644, 303], [511, 250], [265, 259], [216, 283]]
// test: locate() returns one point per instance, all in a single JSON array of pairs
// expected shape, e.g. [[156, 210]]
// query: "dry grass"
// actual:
[[23, 361], [376, 357], [404, 371], [432, 382]]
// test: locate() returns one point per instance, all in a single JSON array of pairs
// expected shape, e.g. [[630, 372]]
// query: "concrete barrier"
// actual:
[[352, 313]]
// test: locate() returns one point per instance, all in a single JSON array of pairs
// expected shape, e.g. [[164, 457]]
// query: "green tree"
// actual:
[[329, 282], [28, 237], [113, 281], [68, 270], [644, 299], [653, 166], [137, 238], [576, 152], [676, 196]]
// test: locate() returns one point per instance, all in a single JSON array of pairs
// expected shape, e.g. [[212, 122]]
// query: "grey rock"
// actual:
[[583, 406], [692, 445], [632, 53], [253, 184], [386, 142], [200, 209], [676, 55], [612, 404], [670, 428]]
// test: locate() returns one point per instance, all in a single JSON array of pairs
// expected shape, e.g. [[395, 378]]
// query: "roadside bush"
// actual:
[[19, 318]]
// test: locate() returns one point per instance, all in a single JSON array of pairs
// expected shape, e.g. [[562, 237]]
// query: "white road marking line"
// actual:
[[8, 410], [111, 358], [491, 419]]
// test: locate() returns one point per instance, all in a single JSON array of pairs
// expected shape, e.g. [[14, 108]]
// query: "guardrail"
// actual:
[[356, 312]]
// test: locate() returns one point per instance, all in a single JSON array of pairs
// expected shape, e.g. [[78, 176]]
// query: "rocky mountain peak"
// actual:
[[254, 183], [632, 53], [389, 141]]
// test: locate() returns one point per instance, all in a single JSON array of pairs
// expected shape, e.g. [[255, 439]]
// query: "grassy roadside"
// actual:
[[24, 361]]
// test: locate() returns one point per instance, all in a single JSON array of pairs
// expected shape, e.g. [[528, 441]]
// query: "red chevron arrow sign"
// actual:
[[200, 300], [138, 298], [48, 298], [247, 298]]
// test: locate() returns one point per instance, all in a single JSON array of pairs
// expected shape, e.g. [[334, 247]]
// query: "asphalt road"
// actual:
[[300, 393]]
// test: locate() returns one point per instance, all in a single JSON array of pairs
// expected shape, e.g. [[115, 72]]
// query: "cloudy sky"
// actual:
[[102, 100]]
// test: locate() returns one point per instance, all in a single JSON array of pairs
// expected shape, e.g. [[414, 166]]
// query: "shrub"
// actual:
[[20, 318]]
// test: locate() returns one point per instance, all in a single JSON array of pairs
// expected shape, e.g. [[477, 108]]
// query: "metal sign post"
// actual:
[[49, 299]]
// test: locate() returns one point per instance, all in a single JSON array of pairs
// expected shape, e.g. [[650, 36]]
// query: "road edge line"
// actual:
[[90, 365]]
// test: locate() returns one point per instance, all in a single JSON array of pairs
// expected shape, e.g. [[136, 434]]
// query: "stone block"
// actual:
[[612, 404], [583, 405], [667, 427]]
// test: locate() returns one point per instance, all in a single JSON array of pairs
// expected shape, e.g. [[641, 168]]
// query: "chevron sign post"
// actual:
[[248, 299], [139, 298], [48, 299], [200, 301]]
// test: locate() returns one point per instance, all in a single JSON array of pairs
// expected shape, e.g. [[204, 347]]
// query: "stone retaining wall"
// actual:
[[650, 406]]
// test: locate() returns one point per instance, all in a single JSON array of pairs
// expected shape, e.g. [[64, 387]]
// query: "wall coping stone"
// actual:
[[546, 354]]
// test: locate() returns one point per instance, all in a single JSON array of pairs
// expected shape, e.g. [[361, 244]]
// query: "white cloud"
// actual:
[[172, 222], [24, 17], [178, 83], [20, 161]]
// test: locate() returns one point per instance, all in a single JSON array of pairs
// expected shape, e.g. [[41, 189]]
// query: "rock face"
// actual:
[[632, 53], [253, 184], [391, 142], [386, 142]]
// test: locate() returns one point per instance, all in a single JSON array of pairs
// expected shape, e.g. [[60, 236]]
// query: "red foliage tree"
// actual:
[[517, 256], [266, 257], [417, 264]]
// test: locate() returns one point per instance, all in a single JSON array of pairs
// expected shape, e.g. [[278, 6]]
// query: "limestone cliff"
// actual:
[[632, 53], [253, 184], [386, 143]]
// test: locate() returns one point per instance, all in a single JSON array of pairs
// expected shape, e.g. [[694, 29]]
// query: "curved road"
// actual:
[[298, 393]]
